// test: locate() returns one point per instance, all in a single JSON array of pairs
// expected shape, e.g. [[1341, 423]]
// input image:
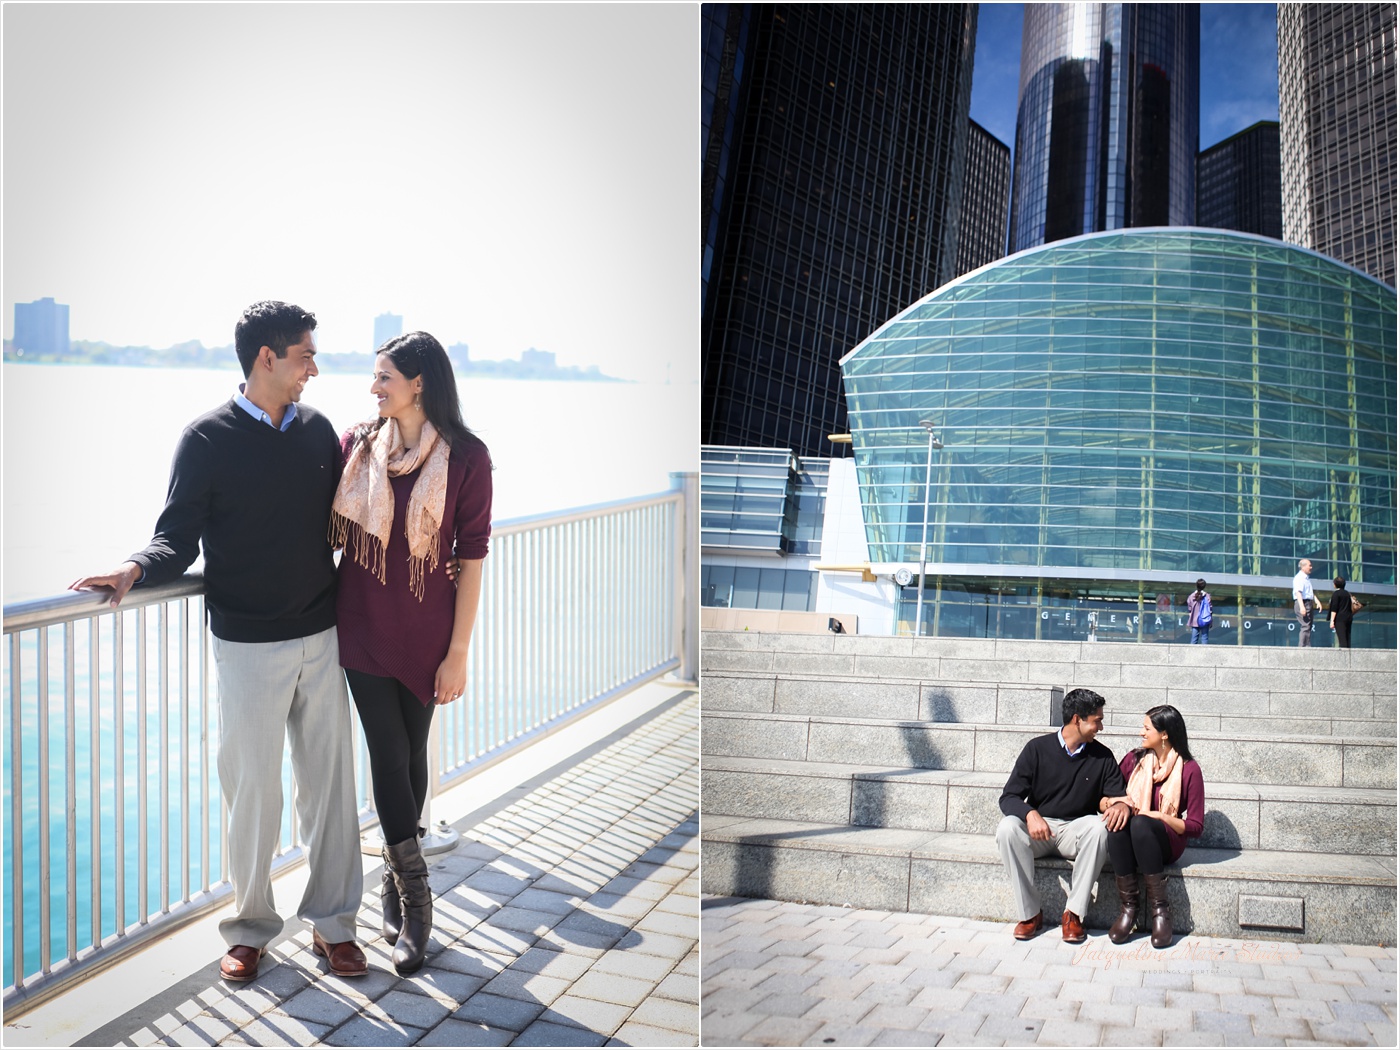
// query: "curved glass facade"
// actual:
[[1140, 406]]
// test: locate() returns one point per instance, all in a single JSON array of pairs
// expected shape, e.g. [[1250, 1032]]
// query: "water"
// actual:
[[88, 449], [86, 461]]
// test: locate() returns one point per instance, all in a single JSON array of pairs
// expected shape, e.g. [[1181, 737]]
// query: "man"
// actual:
[[252, 481], [1053, 803], [1303, 603]]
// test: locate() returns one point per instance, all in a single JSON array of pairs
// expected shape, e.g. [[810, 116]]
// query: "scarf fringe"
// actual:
[[428, 560], [365, 548]]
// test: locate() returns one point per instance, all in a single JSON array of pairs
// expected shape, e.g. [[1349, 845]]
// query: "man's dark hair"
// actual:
[[1339, 582], [1081, 702], [269, 323]]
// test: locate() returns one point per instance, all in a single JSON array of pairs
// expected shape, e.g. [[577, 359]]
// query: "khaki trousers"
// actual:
[[1083, 840], [270, 692]]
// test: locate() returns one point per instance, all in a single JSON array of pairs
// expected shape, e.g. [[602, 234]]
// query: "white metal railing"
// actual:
[[121, 835]]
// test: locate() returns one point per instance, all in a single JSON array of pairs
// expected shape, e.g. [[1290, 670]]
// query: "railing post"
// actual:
[[688, 574]]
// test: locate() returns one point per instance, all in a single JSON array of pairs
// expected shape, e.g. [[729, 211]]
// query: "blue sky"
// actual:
[[1239, 69]]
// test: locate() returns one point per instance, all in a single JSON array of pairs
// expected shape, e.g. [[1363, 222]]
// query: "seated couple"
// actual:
[[1067, 795]]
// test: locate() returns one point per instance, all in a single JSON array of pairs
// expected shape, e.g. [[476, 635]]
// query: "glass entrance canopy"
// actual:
[[1137, 405]]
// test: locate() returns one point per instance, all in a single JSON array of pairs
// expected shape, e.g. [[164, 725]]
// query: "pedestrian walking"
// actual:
[[1340, 611], [1304, 602], [1200, 614]]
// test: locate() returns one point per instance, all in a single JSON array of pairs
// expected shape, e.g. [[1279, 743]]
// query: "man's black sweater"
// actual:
[[259, 500], [1047, 780]]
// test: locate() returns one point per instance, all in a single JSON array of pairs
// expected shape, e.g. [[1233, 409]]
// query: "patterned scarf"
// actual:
[[363, 512], [1148, 772]]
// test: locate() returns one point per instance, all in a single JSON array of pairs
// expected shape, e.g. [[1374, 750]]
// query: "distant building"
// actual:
[[460, 356], [833, 141], [1336, 104], [41, 327], [1107, 121], [386, 326], [533, 358], [1238, 183], [986, 195]]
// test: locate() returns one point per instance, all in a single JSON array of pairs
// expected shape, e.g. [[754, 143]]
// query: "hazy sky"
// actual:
[[1239, 69], [502, 175]]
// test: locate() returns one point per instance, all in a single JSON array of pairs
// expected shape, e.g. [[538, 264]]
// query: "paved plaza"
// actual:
[[782, 974], [567, 916]]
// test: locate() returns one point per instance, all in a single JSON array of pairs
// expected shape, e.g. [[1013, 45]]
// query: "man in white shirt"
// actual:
[[1304, 602]]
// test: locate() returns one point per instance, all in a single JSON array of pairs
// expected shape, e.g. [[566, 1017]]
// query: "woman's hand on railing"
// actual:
[[120, 580]]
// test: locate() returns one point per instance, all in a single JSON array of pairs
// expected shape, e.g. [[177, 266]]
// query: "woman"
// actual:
[[1167, 796], [1199, 614], [416, 484], [1339, 612]]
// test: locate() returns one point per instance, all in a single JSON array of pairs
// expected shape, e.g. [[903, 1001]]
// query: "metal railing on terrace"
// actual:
[[115, 828]]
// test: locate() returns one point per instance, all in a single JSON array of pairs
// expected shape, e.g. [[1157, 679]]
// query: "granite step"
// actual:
[[1362, 693], [1250, 894], [1359, 821], [1312, 761], [988, 649], [1024, 703]]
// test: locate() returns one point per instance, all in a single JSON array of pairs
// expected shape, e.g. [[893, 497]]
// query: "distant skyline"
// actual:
[[1239, 69], [505, 176]]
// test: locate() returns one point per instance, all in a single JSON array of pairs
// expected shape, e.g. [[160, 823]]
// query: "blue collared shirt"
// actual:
[[1072, 754], [258, 414]]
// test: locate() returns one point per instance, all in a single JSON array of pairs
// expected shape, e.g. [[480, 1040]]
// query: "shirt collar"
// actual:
[[253, 410], [1060, 733]]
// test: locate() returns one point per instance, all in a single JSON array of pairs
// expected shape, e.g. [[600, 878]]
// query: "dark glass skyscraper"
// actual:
[[1237, 183], [986, 193], [1336, 105], [725, 30], [1106, 127], [833, 151]]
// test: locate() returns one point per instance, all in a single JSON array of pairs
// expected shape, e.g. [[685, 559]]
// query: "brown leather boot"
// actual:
[[1122, 928], [1161, 909], [411, 876]]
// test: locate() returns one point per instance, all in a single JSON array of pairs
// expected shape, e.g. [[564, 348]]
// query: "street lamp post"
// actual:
[[933, 443]]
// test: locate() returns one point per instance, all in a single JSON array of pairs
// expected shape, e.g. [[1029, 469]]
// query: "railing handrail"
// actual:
[[78, 605]]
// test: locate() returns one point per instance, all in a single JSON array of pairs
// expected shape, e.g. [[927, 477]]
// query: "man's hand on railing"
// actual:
[[119, 580]]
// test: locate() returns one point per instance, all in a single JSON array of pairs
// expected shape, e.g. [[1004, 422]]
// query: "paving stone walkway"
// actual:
[[567, 918], [782, 974]]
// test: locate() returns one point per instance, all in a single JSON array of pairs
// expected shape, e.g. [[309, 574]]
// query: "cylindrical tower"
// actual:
[[1106, 129]]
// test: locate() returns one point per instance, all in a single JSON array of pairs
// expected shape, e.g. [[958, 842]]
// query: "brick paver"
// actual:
[[568, 918], [926, 980]]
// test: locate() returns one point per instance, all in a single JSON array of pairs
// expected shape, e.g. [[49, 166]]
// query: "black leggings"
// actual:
[[1343, 633], [1140, 846], [396, 727]]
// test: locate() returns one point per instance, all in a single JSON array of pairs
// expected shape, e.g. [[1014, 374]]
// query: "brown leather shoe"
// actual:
[[1028, 929], [240, 963], [345, 957], [1071, 929]]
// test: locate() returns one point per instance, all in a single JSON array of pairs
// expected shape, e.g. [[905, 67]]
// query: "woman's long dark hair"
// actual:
[[1167, 720], [415, 354]]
